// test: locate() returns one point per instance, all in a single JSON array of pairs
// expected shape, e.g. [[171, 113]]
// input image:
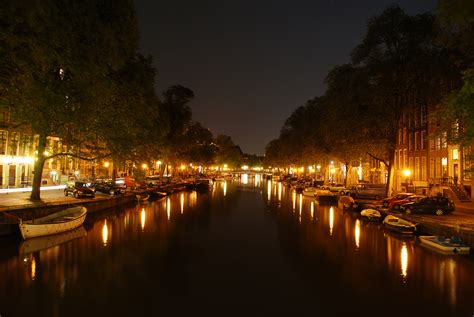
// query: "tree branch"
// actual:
[[77, 156], [379, 159]]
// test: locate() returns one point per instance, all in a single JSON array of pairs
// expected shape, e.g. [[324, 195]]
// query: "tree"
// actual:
[[227, 152], [59, 57], [405, 68]]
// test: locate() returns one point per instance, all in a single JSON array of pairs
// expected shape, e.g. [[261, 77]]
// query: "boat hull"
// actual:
[[52, 225], [443, 246]]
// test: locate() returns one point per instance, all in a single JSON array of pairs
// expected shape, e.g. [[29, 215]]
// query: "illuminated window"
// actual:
[[3, 142], [14, 141], [455, 154]]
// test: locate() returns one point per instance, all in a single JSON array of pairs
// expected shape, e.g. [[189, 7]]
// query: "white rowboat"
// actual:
[[399, 225], [61, 221]]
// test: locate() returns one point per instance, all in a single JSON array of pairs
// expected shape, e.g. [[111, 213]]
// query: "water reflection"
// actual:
[[221, 246], [105, 233], [357, 233], [331, 220], [404, 261], [143, 218], [225, 188]]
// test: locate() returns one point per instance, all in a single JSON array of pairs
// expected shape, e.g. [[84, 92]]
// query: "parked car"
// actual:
[[79, 190], [371, 191], [110, 188], [396, 204], [438, 205], [386, 202], [336, 188]]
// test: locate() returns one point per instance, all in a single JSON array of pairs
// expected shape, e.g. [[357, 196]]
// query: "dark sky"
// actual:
[[251, 63]]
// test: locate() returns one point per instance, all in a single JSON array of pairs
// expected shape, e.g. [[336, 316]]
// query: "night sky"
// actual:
[[251, 63]]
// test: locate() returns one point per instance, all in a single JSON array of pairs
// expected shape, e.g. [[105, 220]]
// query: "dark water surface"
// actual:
[[247, 248]]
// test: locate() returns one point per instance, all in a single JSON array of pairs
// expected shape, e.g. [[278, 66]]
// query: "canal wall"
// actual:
[[9, 220]]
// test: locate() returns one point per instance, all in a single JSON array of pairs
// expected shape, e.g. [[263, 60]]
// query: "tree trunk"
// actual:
[[347, 173], [38, 169], [391, 170]]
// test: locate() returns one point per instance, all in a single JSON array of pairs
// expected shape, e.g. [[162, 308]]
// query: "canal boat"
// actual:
[[371, 214], [64, 220], [203, 184], [142, 198], [399, 225], [309, 192], [46, 242], [325, 197], [445, 244], [346, 202]]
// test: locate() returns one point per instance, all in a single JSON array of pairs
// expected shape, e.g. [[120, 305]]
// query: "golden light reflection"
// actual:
[[331, 220], [143, 218], [269, 189], [452, 279], [279, 191], [168, 208], [225, 188], [301, 206], [312, 210], [357, 233], [33, 268], [294, 200], [193, 199], [105, 233], [245, 179], [181, 202], [404, 259]]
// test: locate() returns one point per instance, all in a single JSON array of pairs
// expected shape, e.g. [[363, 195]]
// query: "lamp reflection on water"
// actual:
[[143, 218], [279, 192], [357, 234], [404, 260], [245, 179], [105, 233], [33, 269], [312, 210], [301, 206], [331, 220], [225, 188], [181, 200], [168, 208], [269, 190]]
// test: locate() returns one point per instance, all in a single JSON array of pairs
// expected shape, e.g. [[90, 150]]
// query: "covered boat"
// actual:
[[445, 244], [399, 225], [371, 214], [64, 220]]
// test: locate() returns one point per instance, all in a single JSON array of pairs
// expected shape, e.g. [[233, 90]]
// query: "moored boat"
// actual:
[[309, 191], [399, 225], [64, 220], [371, 214], [445, 244], [46, 242]]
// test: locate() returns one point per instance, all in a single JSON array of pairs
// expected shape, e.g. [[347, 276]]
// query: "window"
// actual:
[[15, 137], [438, 144], [423, 175], [455, 154], [3, 142], [432, 168], [25, 145], [444, 140], [400, 159], [400, 136], [405, 158], [423, 140], [432, 144], [423, 114], [417, 168], [404, 135], [417, 142], [410, 142]]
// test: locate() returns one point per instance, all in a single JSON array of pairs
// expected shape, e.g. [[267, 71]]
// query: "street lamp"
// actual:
[[407, 174]]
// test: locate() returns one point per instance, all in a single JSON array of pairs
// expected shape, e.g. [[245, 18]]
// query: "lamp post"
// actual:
[[407, 174]]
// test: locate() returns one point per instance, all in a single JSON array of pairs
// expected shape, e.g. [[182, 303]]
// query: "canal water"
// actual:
[[249, 247]]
